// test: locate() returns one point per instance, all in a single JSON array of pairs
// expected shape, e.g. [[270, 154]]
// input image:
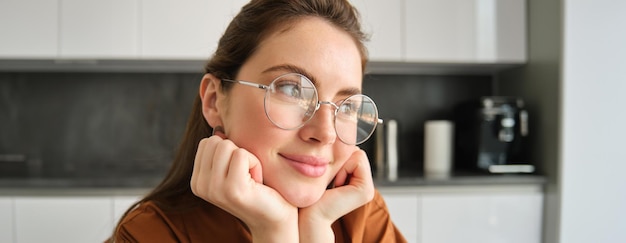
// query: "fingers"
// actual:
[[357, 163], [362, 175], [231, 178], [341, 177], [255, 169], [197, 165], [220, 166], [244, 165], [357, 172], [361, 167], [203, 165], [354, 187], [219, 159]]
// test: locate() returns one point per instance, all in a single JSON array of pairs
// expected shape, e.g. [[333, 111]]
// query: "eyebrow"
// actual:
[[296, 69]]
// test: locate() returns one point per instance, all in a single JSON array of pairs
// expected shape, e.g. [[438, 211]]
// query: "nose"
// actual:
[[321, 127]]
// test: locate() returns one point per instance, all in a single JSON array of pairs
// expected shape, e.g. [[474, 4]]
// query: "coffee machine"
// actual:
[[490, 135]]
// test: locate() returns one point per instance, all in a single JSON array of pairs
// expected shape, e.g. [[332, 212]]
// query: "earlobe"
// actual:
[[209, 93]]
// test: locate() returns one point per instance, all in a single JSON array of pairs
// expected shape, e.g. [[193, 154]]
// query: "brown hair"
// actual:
[[255, 21]]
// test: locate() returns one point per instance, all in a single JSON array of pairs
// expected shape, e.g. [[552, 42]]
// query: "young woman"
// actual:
[[269, 154]]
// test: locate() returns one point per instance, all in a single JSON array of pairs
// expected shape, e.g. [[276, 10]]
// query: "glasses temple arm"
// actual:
[[260, 86]]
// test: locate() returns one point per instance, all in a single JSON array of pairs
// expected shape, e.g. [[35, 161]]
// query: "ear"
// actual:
[[210, 94]]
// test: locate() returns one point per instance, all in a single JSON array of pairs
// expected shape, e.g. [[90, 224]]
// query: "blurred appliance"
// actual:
[[490, 134], [386, 151]]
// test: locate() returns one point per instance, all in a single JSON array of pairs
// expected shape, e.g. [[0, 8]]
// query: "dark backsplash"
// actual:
[[112, 125], [94, 124], [413, 99]]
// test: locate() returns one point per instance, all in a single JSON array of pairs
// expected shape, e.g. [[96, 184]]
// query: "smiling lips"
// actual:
[[307, 165]]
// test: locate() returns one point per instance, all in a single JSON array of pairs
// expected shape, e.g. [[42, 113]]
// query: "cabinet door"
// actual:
[[63, 219], [187, 29], [466, 31], [383, 22], [510, 31], [481, 217], [440, 30], [99, 29], [29, 28], [6, 220], [404, 211]]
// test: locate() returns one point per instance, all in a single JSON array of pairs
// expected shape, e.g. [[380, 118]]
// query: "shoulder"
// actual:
[[148, 222], [372, 223], [376, 204], [180, 221], [378, 200], [143, 212], [368, 223], [373, 212]]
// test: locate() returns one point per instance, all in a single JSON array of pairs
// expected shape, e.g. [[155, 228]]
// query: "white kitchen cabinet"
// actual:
[[383, 23], [481, 217], [465, 31], [417, 31], [96, 29], [184, 29], [28, 29], [467, 213], [7, 231], [404, 211], [63, 219]]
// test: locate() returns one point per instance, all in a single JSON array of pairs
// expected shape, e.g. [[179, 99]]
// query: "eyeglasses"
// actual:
[[291, 100]]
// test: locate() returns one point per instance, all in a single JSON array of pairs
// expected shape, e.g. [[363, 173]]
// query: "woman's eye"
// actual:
[[290, 89], [348, 108]]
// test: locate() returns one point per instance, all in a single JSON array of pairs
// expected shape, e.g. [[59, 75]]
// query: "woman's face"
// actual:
[[298, 163]]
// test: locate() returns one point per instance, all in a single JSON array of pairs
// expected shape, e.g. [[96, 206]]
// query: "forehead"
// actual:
[[305, 22], [327, 54]]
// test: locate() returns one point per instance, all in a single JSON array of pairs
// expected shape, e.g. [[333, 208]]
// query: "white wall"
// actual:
[[593, 152]]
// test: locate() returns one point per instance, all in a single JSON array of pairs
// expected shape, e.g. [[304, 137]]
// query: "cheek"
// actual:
[[252, 130], [348, 131], [246, 123], [342, 153]]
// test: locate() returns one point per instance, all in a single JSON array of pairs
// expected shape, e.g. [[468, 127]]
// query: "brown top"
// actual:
[[209, 223]]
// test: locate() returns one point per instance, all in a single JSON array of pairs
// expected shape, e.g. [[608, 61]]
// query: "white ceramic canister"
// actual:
[[438, 145]]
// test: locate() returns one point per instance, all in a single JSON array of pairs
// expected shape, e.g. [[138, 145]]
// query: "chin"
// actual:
[[303, 202], [303, 198]]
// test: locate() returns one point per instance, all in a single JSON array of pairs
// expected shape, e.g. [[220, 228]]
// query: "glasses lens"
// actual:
[[356, 119], [291, 101]]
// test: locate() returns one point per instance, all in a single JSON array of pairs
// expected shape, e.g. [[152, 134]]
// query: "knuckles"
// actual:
[[214, 186]]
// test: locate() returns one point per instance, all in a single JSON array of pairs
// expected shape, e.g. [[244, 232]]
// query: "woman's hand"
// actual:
[[354, 187], [231, 178]]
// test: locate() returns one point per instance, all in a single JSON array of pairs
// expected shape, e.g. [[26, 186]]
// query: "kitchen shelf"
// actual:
[[464, 180], [102, 65], [416, 68], [28, 186], [196, 66]]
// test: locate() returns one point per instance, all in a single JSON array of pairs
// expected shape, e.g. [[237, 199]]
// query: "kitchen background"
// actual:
[[97, 94], [94, 124], [112, 125], [91, 90]]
